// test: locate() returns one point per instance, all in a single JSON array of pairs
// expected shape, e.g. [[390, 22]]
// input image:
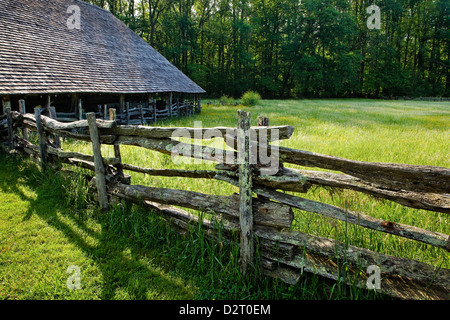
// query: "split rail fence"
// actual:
[[265, 219]]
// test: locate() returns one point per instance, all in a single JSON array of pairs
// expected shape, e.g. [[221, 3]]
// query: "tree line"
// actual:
[[299, 48]]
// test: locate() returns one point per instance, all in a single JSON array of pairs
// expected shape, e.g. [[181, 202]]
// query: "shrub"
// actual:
[[250, 98], [225, 100]]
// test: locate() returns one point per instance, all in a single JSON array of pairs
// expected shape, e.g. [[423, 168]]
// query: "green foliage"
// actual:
[[226, 100], [310, 48], [250, 98]]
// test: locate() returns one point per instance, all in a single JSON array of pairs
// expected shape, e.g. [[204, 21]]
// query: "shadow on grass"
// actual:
[[124, 266]]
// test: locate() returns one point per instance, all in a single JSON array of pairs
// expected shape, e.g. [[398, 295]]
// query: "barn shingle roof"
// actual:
[[39, 53]]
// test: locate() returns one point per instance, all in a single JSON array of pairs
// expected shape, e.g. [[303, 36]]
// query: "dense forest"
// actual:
[[300, 48]]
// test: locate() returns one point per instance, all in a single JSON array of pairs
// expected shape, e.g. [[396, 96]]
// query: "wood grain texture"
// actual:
[[245, 193], [267, 213], [392, 175], [98, 161]]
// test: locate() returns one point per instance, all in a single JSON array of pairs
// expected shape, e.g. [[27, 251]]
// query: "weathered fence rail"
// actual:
[[265, 220]]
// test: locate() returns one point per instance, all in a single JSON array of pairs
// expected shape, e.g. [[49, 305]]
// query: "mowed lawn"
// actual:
[[41, 233]]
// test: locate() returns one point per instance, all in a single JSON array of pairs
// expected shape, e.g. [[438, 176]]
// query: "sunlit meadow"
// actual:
[[410, 132]]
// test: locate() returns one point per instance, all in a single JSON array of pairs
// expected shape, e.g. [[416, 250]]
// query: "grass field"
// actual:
[[131, 254]]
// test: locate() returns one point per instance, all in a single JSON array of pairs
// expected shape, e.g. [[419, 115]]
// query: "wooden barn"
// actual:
[[79, 58]]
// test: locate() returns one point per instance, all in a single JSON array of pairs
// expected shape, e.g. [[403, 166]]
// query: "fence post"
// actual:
[[262, 122], [41, 135], [57, 140], [245, 192], [23, 110], [48, 103], [112, 116], [98, 161]]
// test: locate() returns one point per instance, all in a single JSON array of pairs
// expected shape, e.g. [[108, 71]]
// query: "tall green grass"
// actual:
[[410, 132]]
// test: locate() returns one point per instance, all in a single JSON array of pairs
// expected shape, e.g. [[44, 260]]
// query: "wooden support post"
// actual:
[[98, 161], [141, 111], [185, 107], [245, 192], [41, 136], [80, 109], [194, 104], [22, 110], [199, 105], [150, 103], [74, 103], [10, 129], [112, 116], [118, 156], [6, 103], [127, 107], [170, 104], [155, 114], [122, 104], [57, 140], [105, 111], [48, 103], [262, 122]]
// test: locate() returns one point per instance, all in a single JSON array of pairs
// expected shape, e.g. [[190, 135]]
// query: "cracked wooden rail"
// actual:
[[394, 176], [436, 239], [371, 179], [287, 254]]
